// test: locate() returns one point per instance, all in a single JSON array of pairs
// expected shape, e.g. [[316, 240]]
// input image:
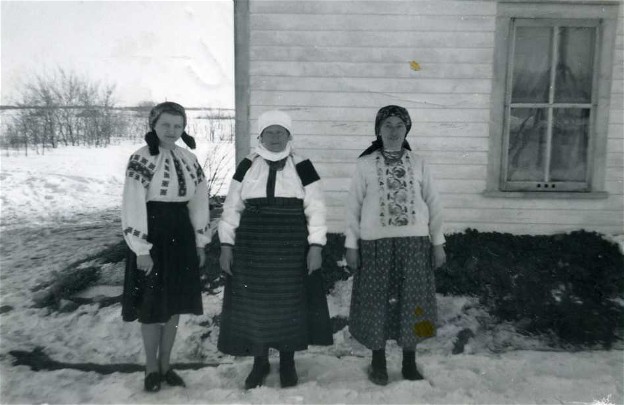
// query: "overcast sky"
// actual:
[[151, 50]]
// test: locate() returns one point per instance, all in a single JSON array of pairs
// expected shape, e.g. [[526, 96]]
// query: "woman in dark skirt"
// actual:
[[272, 231], [165, 219], [394, 239]]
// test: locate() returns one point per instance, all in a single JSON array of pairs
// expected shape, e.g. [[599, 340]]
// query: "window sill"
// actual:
[[556, 195]]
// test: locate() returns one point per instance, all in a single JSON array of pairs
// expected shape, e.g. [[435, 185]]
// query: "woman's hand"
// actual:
[[226, 258], [439, 256], [315, 258], [145, 263], [353, 258], [201, 255]]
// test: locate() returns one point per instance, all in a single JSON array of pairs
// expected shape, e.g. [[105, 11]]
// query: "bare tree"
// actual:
[[64, 107]]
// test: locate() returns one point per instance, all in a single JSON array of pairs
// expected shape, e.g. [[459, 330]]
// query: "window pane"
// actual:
[[573, 82], [531, 70], [527, 140], [569, 144]]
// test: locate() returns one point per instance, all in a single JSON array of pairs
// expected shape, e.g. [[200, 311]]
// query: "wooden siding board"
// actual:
[[420, 130], [365, 22], [389, 53], [358, 143], [577, 218], [550, 10], [451, 201], [439, 171], [365, 99], [615, 145], [384, 7], [368, 114], [371, 70], [416, 39], [324, 155], [615, 160], [615, 131], [354, 85], [555, 216], [444, 186]]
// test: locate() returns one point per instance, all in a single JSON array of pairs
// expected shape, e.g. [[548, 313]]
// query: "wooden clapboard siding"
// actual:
[[375, 8], [282, 99], [616, 131], [359, 143], [476, 200], [389, 54], [373, 70], [332, 64], [446, 157], [367, 114], [423, 130], [375, 37], [381, 85], [364, 23]]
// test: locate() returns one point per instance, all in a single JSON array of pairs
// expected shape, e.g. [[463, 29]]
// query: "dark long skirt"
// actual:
[[266, 301], [173, 286], [394, 293]]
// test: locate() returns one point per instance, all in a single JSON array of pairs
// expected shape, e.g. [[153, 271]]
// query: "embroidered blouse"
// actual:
[[254, 179], [173, 176], [392, 197]]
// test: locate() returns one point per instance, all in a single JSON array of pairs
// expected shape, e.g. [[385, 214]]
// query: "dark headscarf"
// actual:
[[168, 107], [382, 114]]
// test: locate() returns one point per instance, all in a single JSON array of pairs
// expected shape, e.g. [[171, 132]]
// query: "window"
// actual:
[[548, 130]]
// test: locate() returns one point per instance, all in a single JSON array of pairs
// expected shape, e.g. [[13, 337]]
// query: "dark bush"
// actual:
[[561, 285]]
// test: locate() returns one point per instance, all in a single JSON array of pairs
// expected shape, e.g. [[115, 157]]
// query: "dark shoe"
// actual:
[[377, 372], [152, 382], [378, 375], [288, 376], [410, 372], [259, 371], [172, 378]]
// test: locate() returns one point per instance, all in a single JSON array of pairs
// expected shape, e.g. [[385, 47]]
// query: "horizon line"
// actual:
[[15, 107]]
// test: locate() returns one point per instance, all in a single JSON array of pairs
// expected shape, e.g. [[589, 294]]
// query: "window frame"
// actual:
[[513, 13]]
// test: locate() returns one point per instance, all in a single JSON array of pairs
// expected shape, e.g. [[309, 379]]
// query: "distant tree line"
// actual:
[[62, 108]]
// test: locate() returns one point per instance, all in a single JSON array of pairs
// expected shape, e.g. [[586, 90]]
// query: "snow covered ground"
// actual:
[[63, 206]]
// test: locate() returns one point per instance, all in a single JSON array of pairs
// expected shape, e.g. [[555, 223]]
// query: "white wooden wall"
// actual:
[[333, 64]]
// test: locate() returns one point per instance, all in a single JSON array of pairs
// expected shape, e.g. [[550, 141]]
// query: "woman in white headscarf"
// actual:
[[272, 232]]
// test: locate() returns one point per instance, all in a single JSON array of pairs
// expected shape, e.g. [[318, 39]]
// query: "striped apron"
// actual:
[[264, 303]]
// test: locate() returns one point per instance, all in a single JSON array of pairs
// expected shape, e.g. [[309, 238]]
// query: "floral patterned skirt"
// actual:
[[394, 293]]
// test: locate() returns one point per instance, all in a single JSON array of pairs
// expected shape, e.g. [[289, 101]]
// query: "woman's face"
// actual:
[[393, 131], [169, 129], [275, 138]]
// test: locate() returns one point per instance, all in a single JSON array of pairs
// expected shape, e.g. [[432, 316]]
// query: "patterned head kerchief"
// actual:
[[392, 111], [382, 114], [166, 107]]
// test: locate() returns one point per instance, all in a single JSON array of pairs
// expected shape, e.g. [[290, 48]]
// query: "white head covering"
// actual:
[[274, 117]]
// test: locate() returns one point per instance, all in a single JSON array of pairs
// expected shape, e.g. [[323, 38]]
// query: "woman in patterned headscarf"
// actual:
[[165, 219], [394, 216]]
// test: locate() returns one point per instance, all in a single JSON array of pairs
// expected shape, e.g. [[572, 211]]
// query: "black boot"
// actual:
[[259, 371], [378, 373], [172, 378], [409, 370], [152, 382], [288, 373]]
